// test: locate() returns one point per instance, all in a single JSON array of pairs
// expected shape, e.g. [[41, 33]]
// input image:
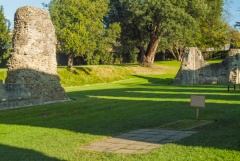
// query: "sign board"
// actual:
[[197, 101]]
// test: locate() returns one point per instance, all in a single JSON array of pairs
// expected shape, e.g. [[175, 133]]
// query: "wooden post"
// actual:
[[197, 113], [197, 102]]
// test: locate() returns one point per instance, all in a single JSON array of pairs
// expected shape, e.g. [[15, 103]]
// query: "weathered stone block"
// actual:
[[195, 70], [33, 58]]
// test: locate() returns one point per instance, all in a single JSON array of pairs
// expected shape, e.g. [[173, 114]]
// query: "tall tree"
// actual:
[[214, 29], [234, 38], [145, 23], [80, 29], [213, 32], [5, 37], [177, 38]]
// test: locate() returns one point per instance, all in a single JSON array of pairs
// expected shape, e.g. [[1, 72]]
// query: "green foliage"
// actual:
[[174, 24], [80, 29], [5, 38], [133, 57], [234, 38], [145, 23], [214, 29]]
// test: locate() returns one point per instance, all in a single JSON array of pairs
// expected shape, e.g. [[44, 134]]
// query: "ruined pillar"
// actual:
[[33, 57]]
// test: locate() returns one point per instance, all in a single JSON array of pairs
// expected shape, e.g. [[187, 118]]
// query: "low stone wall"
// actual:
[[195, 70], [10, 104], [16, 95]]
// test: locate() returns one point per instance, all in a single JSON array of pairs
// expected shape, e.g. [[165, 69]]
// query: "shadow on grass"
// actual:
[[18, 154], [76, 70], [86, 70], [122, 107], [155, 81]]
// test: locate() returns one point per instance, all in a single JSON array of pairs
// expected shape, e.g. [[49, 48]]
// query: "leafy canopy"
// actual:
[[145, 22], [5, 37], [214, 29], [80, 29]]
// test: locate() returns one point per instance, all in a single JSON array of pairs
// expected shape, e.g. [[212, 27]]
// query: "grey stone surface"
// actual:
[[195, 70], [33, 57], [134, 143], [32, 77]]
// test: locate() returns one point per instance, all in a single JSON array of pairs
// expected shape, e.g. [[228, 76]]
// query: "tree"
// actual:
[[234, 38], [5, 37], [214, 29], [80, 29], [213, 32], [176, 39], [145, 23]]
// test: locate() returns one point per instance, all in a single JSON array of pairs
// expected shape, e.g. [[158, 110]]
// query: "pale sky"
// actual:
[[233, 8], [10, 7]]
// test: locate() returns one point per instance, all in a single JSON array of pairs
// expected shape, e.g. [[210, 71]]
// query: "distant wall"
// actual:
[[195, 70]]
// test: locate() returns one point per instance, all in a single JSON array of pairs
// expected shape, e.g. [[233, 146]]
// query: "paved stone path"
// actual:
[[139, 141]]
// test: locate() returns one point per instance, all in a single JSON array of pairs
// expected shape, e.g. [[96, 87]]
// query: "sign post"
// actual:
[[197, 102]]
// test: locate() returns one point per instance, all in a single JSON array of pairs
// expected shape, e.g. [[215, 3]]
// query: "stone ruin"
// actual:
[[195, 70], [32, 77]]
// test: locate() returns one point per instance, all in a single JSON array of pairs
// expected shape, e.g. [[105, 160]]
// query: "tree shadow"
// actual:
[[155, 81], [7, 152], [111, 111], [86, 70]]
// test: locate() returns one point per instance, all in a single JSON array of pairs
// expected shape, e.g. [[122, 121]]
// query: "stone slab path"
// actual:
[[139, 141]]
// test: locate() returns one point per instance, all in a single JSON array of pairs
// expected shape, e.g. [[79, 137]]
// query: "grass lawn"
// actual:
[[98, 111], [214, 61]]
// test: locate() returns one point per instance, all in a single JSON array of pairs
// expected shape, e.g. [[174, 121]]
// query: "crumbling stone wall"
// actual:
[[33, 57], [16, 95], [195, 70]]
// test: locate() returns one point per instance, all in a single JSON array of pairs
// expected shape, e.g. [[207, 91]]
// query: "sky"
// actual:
[[10, 7], [233, 7]]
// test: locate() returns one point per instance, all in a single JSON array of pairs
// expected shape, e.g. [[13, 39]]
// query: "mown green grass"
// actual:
[[3, 74], [86, 75], [185, 124], [214, 61], [93, 74], [98, 111]]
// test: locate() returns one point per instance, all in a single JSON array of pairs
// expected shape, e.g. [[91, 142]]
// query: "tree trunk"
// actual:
[[164, 55], [149, 55], [142, 52], [179, 53], [70, 61], [172, 52]]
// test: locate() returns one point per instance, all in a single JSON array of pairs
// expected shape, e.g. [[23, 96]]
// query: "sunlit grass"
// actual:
[[98, 111], [214, 61], [3, 74]]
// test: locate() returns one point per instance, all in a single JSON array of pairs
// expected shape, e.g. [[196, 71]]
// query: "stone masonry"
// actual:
[[195, 70], [33, 57]]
